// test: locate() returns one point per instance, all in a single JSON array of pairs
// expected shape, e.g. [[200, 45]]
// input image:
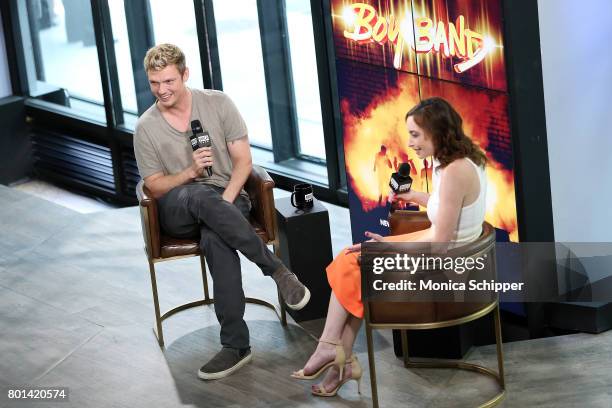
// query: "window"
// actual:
[[305, 81], [123, 56], [152, 23], [65, 67], [242, 69], [174, 22]]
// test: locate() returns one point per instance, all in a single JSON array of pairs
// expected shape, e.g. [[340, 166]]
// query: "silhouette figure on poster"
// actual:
[[383, 170], [426, 175]]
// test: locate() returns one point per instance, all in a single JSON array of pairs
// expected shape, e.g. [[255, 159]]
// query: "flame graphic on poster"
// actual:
[[381, 123]]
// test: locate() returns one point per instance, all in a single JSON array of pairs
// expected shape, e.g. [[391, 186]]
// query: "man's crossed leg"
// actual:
[[193, 209]]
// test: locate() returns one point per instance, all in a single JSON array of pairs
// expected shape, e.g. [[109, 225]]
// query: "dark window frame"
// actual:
[[272, 18], [141, 37], [207, 41]]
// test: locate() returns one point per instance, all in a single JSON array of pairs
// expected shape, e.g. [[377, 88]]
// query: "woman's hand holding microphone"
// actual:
[[406, 197]]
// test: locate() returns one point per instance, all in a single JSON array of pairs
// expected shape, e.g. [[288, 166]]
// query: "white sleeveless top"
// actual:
[[471, 216]]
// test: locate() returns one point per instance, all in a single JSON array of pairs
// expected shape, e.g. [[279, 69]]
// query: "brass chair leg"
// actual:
[[404, 336], [281, 305], [371, 363], [208, 300], [281, 302], [158, 321], [500, 352], [204, 278], [497, 376]]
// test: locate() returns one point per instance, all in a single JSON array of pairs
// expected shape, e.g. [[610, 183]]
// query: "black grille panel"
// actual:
[[73, 159], [130, 172]]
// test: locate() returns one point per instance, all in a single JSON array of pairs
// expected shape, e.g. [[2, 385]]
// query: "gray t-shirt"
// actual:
[[159, 147]]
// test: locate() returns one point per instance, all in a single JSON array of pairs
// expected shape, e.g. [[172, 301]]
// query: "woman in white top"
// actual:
[[456, 209]]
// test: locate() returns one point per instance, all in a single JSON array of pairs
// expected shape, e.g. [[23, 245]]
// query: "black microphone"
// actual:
[[200, 138], [401, 181]]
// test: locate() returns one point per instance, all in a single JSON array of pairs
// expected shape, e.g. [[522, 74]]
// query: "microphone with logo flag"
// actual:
[[400, 181], [200, 138]]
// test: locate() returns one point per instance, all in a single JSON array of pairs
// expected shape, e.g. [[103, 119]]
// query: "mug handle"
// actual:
[[292, 197]]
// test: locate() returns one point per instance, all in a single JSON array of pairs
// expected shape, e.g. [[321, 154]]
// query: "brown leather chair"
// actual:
[[430, 315], [159, 247]]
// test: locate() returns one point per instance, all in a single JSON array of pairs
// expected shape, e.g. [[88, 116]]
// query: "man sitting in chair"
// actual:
[[213, 204]]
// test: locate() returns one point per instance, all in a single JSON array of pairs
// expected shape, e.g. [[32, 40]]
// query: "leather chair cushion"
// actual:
[[405, 222], [178, 247]]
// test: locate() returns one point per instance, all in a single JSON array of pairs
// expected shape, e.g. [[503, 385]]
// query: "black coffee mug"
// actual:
[[302, 196]]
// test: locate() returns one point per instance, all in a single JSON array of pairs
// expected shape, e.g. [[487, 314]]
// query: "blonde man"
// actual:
[[214, 207]]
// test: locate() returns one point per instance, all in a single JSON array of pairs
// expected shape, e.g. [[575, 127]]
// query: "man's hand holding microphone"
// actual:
[[202, 155], [202, 158]]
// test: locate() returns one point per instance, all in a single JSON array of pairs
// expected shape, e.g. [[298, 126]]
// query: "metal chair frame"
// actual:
[[436, 363], [208, 300]]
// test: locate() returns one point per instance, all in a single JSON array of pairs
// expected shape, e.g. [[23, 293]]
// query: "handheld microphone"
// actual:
[[401, 181], [200, 138]]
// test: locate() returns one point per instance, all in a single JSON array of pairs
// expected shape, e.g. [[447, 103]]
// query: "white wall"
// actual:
[[577, 70], [5, 79]]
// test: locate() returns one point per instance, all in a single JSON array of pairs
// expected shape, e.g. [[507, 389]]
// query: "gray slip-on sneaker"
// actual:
[[224, 363], [294, 293]]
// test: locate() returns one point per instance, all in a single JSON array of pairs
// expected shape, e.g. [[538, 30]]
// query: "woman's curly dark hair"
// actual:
[[445, 126]]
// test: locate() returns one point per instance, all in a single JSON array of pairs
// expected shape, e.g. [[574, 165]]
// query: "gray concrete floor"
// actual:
[[58, 195], [76, 311]]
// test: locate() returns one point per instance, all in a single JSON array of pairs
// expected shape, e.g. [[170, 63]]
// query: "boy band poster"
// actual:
[[390, 54]]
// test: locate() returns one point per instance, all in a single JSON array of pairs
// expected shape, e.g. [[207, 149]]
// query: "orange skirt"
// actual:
[[344, 277], [344, 274]]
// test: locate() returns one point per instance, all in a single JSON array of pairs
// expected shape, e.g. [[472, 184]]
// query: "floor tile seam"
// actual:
[[71, 223], [51, 305], [28, 251], [68, 355]]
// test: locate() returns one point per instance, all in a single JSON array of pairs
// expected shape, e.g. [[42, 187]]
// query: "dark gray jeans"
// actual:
[[195, 209]]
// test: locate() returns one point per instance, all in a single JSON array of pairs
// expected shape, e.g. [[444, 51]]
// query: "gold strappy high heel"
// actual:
[[339, 361], [356, 373]]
